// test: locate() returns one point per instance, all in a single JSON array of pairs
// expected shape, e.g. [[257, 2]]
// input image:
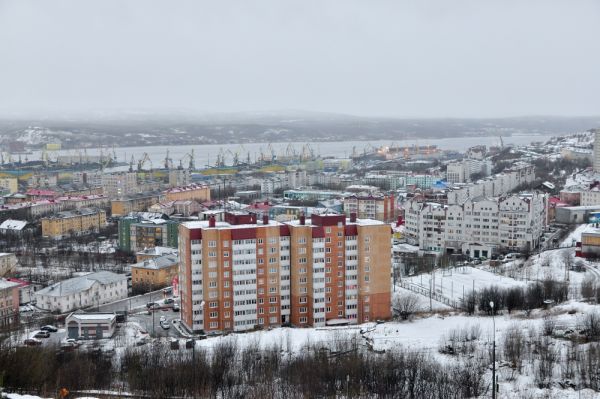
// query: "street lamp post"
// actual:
[[493, 353]]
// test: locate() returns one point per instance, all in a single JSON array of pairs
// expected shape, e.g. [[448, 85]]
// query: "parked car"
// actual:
[[175, 307], [69, 343], [169, 301], [42, 334], [32, 342], [151, 305], [49, 328], [165, 325], [163, 318]]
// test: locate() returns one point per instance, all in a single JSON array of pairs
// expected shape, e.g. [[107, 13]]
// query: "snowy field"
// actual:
[[453, 282]]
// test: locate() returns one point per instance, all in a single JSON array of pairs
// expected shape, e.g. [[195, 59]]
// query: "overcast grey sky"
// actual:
[[400, 58]]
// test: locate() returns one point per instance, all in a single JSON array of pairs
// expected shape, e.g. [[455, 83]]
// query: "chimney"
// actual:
[[352, 217], [265, 217], [302, 219], [212, 221]]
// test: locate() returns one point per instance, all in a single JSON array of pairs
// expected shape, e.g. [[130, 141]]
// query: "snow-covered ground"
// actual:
[[575, 235], [453, 282], [423, 302]]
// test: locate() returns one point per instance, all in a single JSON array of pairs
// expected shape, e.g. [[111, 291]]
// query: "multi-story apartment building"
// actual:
[[137, 233], [8, 263], [378, 207], [9, 303], [460, 172], [89, 178], [196, 192], [10, 184], [478, 227], [179, 177], [242, 273], [93, 289], [589, 197], [494, 186], [43, 180], [153, 273], [135, 203], [76, 222], [119, 184], [84, 201]]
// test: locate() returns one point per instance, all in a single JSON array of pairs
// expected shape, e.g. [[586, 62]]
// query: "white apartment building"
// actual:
[[494, 186], [119, 184], [479, 226], [596, 150], [93, 289], [90, 178], [460, 172], [590, 197]]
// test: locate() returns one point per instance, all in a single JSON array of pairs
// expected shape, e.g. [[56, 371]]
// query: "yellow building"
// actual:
[[77, 222], [9, 183], [135, 203], [153, 274], [196, 192]]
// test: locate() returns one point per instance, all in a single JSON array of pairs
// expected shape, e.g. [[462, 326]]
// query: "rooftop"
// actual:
[[160, 262], [11, 224], [83, 283]]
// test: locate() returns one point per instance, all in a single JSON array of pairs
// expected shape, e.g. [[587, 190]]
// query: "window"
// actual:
[[213, 304], [213, 315], [212, 244]]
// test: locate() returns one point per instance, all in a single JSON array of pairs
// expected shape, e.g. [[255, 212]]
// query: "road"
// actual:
[[151, 322], [134, 302]]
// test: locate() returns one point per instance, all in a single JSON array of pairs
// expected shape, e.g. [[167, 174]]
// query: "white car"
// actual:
[[163, 319]]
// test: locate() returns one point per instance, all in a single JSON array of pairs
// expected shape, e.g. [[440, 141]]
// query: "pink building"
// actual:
[[9, 303]]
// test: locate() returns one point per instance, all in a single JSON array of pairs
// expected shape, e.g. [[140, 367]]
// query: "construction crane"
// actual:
[[131, 163], [272, 151], [142, 162]]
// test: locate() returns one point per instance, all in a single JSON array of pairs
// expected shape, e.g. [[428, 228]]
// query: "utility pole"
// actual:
[[493, 353]]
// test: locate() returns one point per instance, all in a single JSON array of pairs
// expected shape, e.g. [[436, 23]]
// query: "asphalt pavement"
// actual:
[[134, 302]]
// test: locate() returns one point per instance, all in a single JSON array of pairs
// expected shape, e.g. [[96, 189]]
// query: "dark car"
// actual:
[[32, 342], [175, 307], [49, 328], [152, 305], [42, 334], [169, 301]]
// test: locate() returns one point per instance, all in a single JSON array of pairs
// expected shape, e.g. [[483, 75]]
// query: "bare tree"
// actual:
[[406, 304]]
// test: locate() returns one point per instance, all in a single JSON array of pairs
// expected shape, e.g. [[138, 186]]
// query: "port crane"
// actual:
[[168, 161], [142, 162], [189, 157]]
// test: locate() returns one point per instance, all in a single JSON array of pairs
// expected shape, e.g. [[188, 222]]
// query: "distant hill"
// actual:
[[141, 129]]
